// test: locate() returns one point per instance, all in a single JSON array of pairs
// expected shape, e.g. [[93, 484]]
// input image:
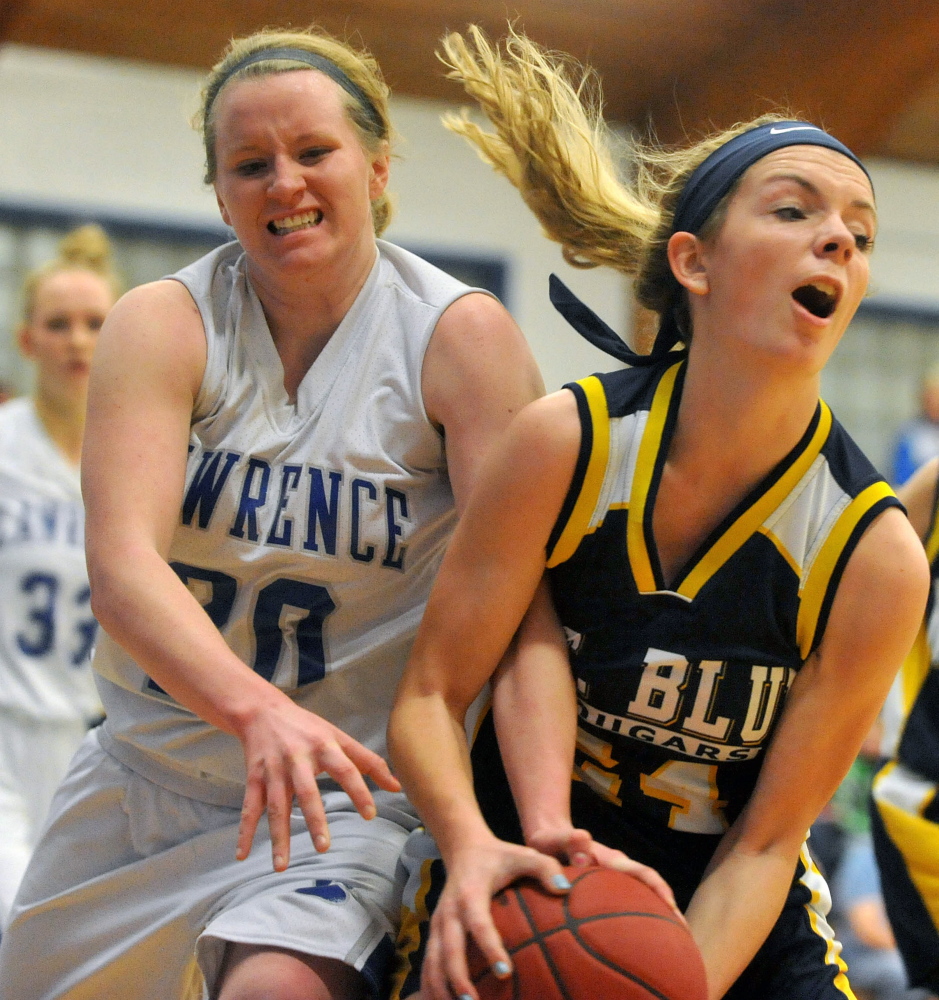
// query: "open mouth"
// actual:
[[292, 224], [819, 297]]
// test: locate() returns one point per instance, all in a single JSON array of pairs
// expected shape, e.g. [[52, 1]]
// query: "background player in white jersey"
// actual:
[[278, 440], [737, 581], [47, 695]]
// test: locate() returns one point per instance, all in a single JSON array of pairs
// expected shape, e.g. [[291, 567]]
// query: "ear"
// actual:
[[687, 259], [378, 180], [24, 341], [226, 218]]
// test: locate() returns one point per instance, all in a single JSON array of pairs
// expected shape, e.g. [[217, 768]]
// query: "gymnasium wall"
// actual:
[[97, 136], [115, 136]]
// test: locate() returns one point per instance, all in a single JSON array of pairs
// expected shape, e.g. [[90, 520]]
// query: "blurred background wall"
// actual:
[[90, 137]]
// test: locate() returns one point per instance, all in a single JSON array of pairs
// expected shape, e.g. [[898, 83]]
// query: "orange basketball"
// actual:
[[610, 938]]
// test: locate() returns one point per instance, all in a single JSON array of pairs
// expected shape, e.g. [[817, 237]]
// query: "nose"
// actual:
[[286, 178], [837, 241], [83, 334]]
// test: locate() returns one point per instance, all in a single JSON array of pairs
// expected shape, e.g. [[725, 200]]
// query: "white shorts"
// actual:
[[134, 891], [34, 756]]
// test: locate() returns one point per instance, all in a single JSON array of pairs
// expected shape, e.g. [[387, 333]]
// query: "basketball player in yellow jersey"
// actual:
[[712, 538], [905, 817]]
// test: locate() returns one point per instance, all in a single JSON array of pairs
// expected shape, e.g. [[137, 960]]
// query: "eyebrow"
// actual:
[[811, 188]]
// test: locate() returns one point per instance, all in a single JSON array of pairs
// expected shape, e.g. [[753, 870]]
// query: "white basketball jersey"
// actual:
[[309, 531], [46, 626]]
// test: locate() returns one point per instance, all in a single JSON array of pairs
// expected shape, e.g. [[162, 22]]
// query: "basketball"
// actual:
[[610, 938]]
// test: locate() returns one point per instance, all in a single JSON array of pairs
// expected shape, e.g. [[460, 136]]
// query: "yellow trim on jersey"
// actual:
[[817, 911], [915, 838], [812, 595], [782, 550], [915, 670], [649, 447], [578, 524], [932, 539], [753, 517], [413, 921]]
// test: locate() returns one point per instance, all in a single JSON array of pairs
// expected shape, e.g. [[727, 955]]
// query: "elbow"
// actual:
[[110, 583]]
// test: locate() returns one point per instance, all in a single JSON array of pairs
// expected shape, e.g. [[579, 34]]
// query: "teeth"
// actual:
[[820, 297], [295, 222]]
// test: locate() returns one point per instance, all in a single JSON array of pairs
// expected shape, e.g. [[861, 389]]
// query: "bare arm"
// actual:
[[831, 706], [479, 372], [147, 371], [485, 588]]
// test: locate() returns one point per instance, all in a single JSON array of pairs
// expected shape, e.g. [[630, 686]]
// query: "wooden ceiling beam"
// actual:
[[677, 68]]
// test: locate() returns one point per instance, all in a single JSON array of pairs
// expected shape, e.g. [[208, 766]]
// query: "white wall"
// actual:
[[905, 265], [115, 135], [92, 132]]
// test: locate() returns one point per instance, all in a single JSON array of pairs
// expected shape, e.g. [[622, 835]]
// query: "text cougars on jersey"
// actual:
[[666, 711]]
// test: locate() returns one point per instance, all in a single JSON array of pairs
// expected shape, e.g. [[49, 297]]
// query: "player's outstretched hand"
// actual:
[[285, 748], [474, 876], [576, 847]]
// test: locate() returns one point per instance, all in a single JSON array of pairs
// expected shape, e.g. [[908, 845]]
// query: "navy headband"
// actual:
[[713, 178], [708, 184], [313, 60]]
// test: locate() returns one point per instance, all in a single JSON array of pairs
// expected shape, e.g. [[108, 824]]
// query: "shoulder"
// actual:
[[154, 327], [16, 412], [19, 427], [888, 569], [478, 356], [549, 429]]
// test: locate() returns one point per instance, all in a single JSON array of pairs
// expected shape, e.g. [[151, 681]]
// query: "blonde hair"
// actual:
[[552, 142], [86, 248], [359, 66]]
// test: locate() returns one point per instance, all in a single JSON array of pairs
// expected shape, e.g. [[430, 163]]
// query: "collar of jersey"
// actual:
[[728, 537]]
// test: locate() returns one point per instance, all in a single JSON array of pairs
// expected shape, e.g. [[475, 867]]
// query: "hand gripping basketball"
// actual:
[[610, 938]]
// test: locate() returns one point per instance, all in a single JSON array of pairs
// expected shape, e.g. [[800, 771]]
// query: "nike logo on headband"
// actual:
[[794, 128]]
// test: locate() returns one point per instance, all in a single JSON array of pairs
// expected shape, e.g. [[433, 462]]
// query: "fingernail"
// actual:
[[321, 842], [560, 882], [501, 968], [464, 996], [278, 861]]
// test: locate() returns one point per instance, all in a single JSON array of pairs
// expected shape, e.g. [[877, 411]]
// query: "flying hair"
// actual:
[[551, 141]]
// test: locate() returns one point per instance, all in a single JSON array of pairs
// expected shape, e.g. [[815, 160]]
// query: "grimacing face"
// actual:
[[294, 179]]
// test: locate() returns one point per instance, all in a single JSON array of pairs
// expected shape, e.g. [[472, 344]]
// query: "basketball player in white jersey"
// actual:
[[279, 439], [47, 695]]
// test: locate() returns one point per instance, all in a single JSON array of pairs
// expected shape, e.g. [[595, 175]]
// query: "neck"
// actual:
[[304, 311], [64, 422], [739, 419]]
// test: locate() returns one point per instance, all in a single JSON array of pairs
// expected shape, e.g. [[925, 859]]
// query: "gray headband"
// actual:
[[314, 61]]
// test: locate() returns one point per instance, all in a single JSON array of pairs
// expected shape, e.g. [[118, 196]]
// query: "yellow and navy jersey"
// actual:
[[917, 685], [681, 682]]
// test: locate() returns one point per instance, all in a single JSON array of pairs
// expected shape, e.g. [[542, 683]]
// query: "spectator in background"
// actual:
[[918, 439], [47, 695]]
